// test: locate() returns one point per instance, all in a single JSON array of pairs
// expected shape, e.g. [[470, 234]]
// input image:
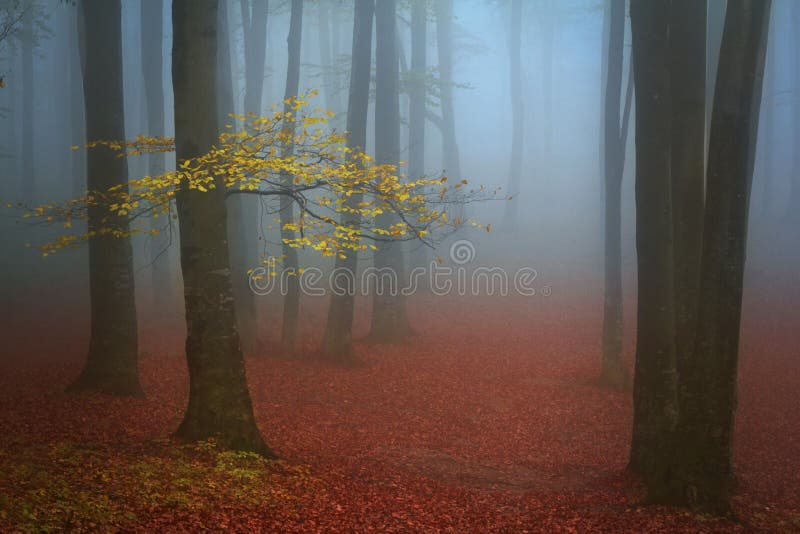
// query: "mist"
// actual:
[[400, 265]]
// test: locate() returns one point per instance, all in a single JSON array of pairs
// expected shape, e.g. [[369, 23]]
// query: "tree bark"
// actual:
[[219, 401], [111, 366], [688, 90], [655, 380], [291, 301], [337, 344], [613, 372], [703, 477], [389, 319]]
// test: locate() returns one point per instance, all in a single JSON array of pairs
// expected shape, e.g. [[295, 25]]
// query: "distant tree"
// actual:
[[152, 28], [389, 318], [111, 365], [28, 41], [517, 110], [615, 135], [444, 40], [291, 300], [337, 344]]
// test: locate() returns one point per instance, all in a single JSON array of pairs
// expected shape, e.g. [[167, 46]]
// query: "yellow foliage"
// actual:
[[320, 176]]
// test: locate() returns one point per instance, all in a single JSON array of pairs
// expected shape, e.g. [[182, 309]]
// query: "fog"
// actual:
[[547, 303]]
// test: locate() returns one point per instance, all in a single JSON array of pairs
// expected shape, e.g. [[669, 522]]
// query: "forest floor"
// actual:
[[490, 420]]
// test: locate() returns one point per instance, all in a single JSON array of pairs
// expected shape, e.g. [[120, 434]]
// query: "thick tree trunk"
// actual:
[[152, 72], [793, 208], [703, 477], [613, 372], [337, 344], [389, 319], [655, 380], [688, 90], [291, 301], [219, 401], [444, 40], [113, 347], [517, 112]]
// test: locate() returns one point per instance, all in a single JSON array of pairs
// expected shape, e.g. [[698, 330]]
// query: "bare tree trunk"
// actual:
[[417, 103], [337, 344], [28, 119], [613, 372], [688, 90], [152, 27], [389, 319], [444, 39], [111, 365], [291, 301], [219, 401], [517, 113], [77, 113], [655, 379], [703, 477]]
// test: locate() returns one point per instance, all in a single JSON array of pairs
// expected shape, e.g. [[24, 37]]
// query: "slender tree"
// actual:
[[615, 133], [152, 27], [337, 342], [517, 110], [389, 319], [655, 379], [28, 39], [219, 401], [111, 365], [444, 41], [291, 301]]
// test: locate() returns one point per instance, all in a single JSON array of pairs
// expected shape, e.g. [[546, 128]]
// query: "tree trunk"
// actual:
[[703, 477], [291, 301], [28, 41], [219, 401], [613, 372], [517, 112], [417, 103], [655, 380], [152, 72], [77, 113], [389, 319], [111, 365], [688, 90], [444, 40], [337, 344]]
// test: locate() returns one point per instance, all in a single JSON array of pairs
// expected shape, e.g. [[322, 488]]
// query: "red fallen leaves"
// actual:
[[490, 420]]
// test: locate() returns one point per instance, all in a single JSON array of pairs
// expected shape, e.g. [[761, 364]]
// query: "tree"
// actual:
[[219, 401], [389, 319], [687, 162], [703, 477], [655, 378], [291, 301], [337, 344], [615, 134], [444, 40], [152, 24], [28, 39], [243, 210], [517, 110], [111, 365]]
